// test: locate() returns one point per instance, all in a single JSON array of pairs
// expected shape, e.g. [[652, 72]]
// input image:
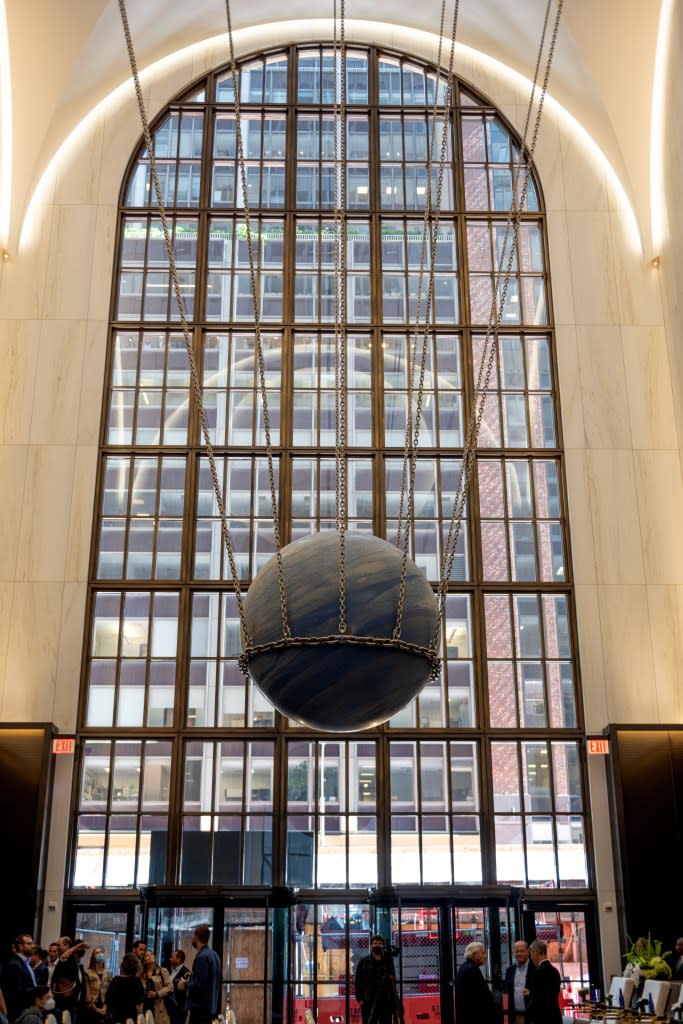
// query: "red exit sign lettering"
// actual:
[[63, 745], [598, 746]]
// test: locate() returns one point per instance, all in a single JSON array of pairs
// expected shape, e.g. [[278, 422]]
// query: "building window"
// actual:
[[188, 776]]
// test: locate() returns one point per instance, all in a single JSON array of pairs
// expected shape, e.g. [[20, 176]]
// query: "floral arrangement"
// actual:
[[646, 960]]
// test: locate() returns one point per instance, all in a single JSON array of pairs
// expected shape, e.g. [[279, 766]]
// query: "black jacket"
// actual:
[[180, 994], [473, 999], [543, 1006], [375, 976], [17, 986]]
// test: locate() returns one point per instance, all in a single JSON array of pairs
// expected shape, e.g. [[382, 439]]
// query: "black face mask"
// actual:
[[377, 950]]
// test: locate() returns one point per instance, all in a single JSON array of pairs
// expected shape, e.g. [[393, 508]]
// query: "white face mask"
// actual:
[[48, 1004]]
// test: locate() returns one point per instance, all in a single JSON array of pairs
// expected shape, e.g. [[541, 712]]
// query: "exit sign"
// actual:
[[598, 746], [63, 745]]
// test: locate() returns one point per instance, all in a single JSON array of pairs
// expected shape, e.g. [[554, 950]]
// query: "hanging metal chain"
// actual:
[[345, 640], [254, 278], [495, 317], [182, 313], [423, 245], [430, 227], [340, 297]]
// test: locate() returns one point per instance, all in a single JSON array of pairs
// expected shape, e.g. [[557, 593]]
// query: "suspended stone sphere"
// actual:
[[343, 687]]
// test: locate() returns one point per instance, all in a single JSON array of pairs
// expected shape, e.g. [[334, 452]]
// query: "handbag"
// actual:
[[64, 987]]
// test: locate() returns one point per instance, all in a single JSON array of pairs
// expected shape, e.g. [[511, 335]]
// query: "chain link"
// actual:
[[182, 313], [340, 264], [255, 281], [430, 226], [341, 640], [495, 317]]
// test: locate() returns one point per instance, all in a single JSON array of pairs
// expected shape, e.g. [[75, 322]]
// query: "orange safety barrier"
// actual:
[[418, 1009]]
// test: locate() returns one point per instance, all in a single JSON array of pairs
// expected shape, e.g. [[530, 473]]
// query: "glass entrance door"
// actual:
[[113, 928], [427, 943], [569, 937], [170, 928]]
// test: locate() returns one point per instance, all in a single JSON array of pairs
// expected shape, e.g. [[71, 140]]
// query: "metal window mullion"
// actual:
[[516, 655], [156, 520], [109, 812], [176, 160], [222, 468], [315, 748], [531, 462], [246, 768], [523, 813], [383, 808], [508, 519], [212, 813], [153, 594], [148, 658], [554, 812], [544, 655], [138, 816], [140, 330], [278, 800], [132, 458], [190, 519], [118, 656], [344, 747], [170, 294], [417, 747]]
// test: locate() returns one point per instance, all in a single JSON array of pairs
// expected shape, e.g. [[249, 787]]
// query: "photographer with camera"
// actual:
[[376, 986]]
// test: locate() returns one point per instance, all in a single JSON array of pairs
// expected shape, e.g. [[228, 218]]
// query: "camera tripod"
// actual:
[[387, 987]]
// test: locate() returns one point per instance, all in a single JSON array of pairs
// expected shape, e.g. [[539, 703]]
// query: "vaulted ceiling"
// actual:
[[66, 55]]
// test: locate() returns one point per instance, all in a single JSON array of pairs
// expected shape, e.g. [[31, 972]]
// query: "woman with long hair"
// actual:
[[125, 995], [98, 977], [157, 984]]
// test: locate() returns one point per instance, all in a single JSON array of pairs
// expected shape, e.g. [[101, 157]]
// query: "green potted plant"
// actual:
[[645, 959]]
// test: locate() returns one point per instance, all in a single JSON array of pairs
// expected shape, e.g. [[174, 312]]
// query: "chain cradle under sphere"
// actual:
[[332, 682]]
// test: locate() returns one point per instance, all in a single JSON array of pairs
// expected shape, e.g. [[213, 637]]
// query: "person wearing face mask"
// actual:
[[68, 978], [42, 1003], [98, 978], [376, 985]]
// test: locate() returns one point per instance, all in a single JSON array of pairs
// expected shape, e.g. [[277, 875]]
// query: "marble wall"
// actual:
[[620, 368]]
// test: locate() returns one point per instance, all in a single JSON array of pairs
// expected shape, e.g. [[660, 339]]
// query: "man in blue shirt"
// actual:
[[517, 979], [18, 979], [203, 985]]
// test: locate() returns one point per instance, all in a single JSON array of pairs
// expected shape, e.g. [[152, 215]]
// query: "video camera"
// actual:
[[391, 951]]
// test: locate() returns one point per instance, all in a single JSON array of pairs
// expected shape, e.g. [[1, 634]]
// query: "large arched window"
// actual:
[[187, 775]]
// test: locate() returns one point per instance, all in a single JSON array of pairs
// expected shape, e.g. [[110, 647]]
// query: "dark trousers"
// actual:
[[383, 1014], [200, 1016]]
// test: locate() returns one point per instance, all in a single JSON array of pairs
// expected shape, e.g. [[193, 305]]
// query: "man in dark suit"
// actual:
[[38, 962], [18, 979], [179, 970], [517, 983], [544, 992], [677, 968], [473, 1000], [203, 983]]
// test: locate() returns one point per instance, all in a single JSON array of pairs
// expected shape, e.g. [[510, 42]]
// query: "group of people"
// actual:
[[532, 985], [36, 982]]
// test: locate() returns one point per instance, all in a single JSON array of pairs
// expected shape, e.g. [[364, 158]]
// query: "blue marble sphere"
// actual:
[[340, 687]]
